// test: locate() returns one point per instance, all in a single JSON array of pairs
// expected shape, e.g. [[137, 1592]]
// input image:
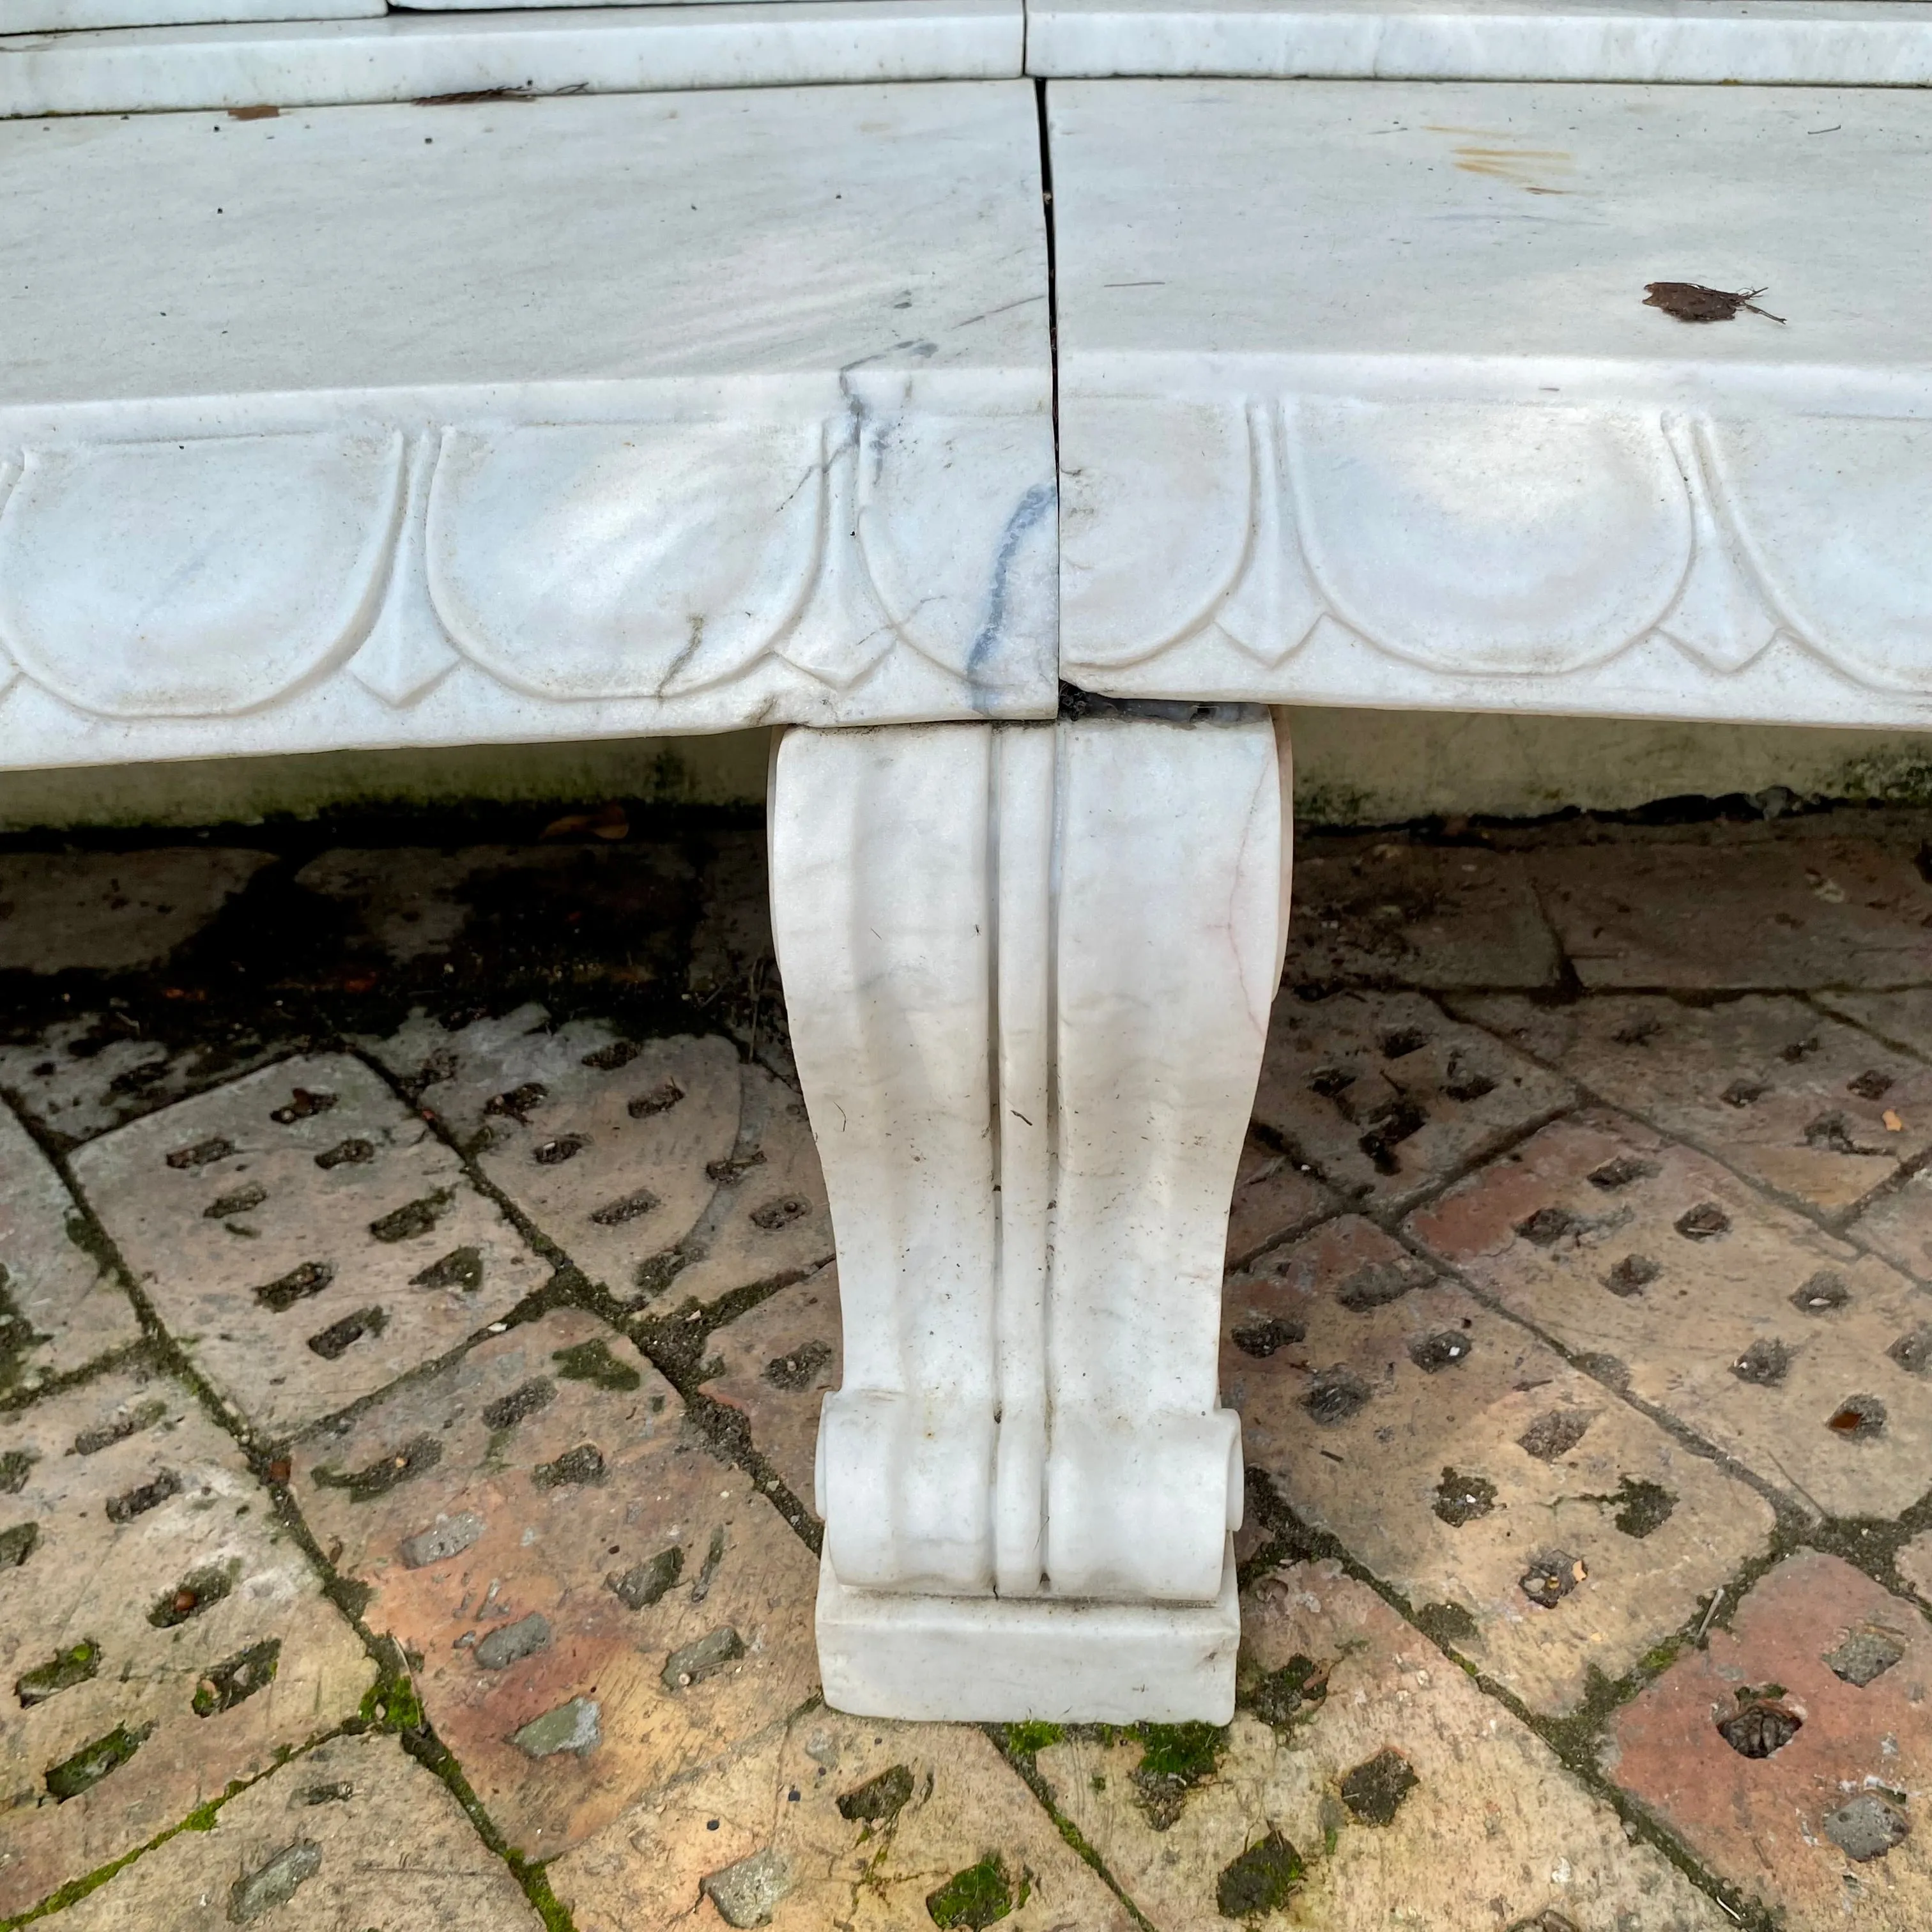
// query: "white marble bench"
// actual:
[[406, 423]]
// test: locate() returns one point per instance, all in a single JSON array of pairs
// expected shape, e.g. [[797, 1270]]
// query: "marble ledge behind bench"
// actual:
[[1823, 43], [412, 56], [247, 56]]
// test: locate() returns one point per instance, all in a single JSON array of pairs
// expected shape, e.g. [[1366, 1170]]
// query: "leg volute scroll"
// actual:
[[1028, 969]]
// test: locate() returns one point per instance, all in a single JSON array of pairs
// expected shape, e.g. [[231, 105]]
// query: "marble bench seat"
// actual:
[[615, 413], [385, 426]]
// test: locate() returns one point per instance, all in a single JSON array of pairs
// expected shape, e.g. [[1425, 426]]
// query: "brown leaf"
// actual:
[[1691, 302], [262, 113], [608, 821]]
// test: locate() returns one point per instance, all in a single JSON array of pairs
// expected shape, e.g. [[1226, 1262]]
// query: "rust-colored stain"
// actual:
[[1514, 164], [1520, 167]]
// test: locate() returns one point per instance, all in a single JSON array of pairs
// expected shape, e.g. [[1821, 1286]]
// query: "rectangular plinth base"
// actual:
[[1001, 1660]]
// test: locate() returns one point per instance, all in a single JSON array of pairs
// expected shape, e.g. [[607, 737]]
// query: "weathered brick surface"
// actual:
[[1275, 1196], [79, 1076], [1739, 912], [113, 911], [1804, 1105], [1385, 1097], [775, 1364], [1384, 911], [304, 1237], [1482, 1827], [1807, 1825], [611, 1631], [1896, 1225], [1783, 1346], [824, 1821], [351, 1836], [767, 1220], [60, 1307], [159, 1613], [1900, 1019], [662, 1167], [540, 1528], [1459, 1458]]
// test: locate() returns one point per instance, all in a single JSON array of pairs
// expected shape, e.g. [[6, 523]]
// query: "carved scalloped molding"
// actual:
[[650, 566], [1498, 543]]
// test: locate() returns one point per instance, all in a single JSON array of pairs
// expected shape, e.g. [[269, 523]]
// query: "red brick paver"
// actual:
[[1826, 1681]]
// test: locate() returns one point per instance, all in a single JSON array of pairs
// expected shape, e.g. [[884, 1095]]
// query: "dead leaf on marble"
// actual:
[[1691, 302]]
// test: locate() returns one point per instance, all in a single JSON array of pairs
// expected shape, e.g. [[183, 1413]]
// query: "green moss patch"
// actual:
[[981, 1895], [65, 1668], [1262, 1879], [93, 1762], [593, 1362]]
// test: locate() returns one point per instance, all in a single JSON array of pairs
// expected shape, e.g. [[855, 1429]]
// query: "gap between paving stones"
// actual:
[[675, 1341], [1020, 1745], [1390, 1218], [1468, 1005], [1870, 1544], [391, 1704]]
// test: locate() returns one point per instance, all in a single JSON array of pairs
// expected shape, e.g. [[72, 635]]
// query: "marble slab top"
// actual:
[[1491, 220], [590, 239], [522, 418], [1362, 402]]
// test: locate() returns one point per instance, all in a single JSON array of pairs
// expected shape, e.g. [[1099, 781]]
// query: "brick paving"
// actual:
[[416, 1294]]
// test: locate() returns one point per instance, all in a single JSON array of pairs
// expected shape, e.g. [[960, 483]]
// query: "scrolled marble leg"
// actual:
[[1171, 915], [883, 914], [1028, 970]]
